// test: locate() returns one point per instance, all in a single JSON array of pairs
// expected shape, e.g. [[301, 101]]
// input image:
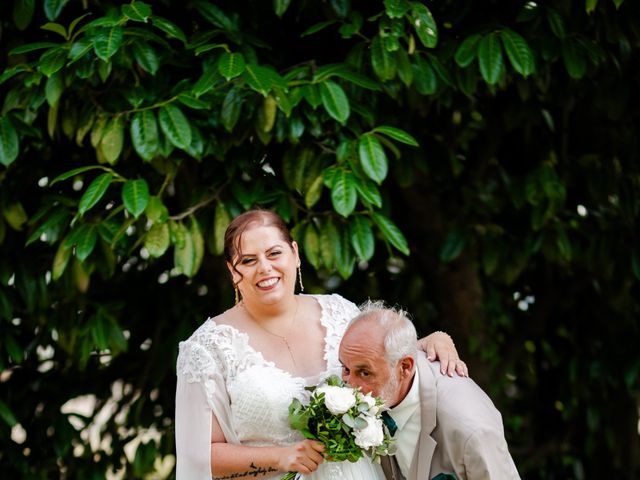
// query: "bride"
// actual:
[[239, 371]]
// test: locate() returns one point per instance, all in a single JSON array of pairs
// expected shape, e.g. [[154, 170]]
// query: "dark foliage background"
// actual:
[[474, 162]]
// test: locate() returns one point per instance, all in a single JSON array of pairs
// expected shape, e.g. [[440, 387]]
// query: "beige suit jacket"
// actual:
[[461, 432]]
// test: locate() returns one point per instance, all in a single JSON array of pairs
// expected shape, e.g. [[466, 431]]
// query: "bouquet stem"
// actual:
[[290, 476]]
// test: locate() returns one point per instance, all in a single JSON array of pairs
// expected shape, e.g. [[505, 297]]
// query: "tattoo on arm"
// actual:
[[254, 472]]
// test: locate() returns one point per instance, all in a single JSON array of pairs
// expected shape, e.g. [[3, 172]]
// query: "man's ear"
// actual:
[[406, 366]]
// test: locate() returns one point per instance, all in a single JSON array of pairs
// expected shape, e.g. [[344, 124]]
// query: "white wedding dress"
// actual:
[[220, 373]]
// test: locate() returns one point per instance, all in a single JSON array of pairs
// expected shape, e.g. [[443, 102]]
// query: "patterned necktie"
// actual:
[[389, 422]]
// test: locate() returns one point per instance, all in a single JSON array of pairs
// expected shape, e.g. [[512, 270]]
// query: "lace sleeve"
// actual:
[[201, 393], [337, 312]]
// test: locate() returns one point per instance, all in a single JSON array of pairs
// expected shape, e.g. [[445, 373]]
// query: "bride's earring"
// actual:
[[235, 287], [300, 279]]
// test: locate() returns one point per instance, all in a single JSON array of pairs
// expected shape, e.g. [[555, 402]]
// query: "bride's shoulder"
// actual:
[[214, 332], [336, 307]]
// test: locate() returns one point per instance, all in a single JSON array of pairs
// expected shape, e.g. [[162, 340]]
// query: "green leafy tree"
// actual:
[[476, 162]]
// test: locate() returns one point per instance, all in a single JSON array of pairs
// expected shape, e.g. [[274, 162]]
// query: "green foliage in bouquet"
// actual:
[[344, 420]]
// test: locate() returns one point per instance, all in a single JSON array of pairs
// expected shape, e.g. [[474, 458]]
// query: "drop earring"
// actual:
[[300, 279], [235, 287]]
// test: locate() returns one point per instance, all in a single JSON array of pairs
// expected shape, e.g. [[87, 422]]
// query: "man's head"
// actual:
[[378, 352]]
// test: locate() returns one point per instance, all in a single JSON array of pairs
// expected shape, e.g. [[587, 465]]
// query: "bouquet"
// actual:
[[347, 422]]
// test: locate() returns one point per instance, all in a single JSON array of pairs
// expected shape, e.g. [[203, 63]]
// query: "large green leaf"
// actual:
[[231, 109], [53, 8], [7, 415], [31, 47], [425, 25], [490, 58], [590, 5], [518, 51], [373, 158], [362, 238], [23, 13], [396, 8], [107, 41], [452, 246], [157, 240], [83, 238], [156, 211], [335, 101], [369, 192], [210, 76], [135, 196], [112, 140], [52, 60], [329, 243], [555, 21], [220, 223], [397, 134], [391, 232], [405, 68], [383, 62], [53, 88], [574, 58], [343, 193], [258, 78], [94, 192], [311, 245], [313, 194], [56, 28], [144, 134], [468, 50], [146, 57], [184, 251], [198, 245], [54, 221], [343, 71], [175, 125], [137, 11], [168, 27], [231, 65], [74, 172], [280, 6], [424, 76], [213, 14], [345, 260], [9, 142]]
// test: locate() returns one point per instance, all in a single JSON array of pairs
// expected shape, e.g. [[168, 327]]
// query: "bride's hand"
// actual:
[[439, 346], [302, 457]]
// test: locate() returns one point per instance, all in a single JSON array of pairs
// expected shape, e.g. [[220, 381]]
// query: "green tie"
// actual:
[[389, 422]]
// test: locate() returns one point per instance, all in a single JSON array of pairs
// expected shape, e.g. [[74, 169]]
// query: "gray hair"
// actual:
[[400, 334]]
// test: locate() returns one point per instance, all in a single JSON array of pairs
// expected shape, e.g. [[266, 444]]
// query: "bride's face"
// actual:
[[266, 265]]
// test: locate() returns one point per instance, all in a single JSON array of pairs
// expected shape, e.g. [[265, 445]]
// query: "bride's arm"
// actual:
[[239, 461], [440, 346]]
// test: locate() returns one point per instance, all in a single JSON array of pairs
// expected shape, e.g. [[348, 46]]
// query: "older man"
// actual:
[[443, 426]]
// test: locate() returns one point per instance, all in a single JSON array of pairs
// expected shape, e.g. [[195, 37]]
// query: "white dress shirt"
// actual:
[[407, 417]]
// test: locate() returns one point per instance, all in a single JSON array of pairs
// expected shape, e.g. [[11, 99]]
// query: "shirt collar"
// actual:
[[402, 412]]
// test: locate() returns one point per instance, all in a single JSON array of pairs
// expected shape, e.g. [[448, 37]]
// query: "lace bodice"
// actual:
[[220, 356], [220, 373]]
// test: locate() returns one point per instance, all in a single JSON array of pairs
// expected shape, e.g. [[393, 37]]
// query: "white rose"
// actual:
[[337, 399], [371, 403], [370, 436]]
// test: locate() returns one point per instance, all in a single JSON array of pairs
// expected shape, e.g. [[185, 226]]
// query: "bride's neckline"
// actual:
[[308, 380]]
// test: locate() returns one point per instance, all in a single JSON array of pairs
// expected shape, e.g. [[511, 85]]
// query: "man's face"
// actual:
[[364, 364]]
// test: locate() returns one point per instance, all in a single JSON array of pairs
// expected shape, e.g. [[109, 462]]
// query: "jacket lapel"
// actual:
[[421, 464]]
